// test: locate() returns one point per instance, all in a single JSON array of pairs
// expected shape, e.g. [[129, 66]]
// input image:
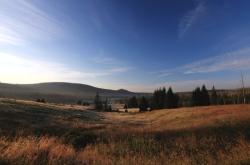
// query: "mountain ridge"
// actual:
[[60, 91]]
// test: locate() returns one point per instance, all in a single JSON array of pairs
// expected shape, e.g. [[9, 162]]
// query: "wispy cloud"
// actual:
[[114, 64], [190, 18], [17, 69], [101, 59], [234, 60], [22, 21]]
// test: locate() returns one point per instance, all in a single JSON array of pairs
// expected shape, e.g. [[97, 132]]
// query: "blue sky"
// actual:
[[138, 45]]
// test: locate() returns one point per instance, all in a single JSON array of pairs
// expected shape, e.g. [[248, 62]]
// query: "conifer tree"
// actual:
[[143, 104], [132, 102], [159, 98], [98, 102], [214, 97], [196, 97], [171, 99], [205, 100]]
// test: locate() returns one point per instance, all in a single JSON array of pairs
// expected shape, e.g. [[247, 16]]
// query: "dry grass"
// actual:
[[35, 133]]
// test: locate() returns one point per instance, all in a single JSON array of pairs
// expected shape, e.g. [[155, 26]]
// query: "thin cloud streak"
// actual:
[[22, 21], [190, 18], [114, 64], [230, 61], [101, 59]]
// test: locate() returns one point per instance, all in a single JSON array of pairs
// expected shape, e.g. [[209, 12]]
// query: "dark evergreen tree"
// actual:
[[171, 99], [98, 102], [106, 105], [79, 102], [214, 97], [143, 106], [205, 100], [196, 97], [42, 100], [132, 102], [159, 98], [126, 108], [200, 97]]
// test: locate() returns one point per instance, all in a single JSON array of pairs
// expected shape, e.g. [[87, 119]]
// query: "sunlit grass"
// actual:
[[34, 133]]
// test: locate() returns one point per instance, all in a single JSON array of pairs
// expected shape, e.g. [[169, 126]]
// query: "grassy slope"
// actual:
[[58, 92], [34, 133]]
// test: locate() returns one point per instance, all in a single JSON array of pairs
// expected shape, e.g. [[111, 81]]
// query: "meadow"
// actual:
[[44, 133]]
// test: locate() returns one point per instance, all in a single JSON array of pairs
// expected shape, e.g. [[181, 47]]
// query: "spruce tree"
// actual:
[[214, 97], [79, 102], [143, 104], [171, 99], [132, 102], [205, 100], [196, 97], [98, 102], [159, 98], [106, 106]]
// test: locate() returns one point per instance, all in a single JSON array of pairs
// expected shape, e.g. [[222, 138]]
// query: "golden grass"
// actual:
[[35, 133], [45, 150]]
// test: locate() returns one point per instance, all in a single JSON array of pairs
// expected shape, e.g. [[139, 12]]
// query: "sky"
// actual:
[[138, 45]]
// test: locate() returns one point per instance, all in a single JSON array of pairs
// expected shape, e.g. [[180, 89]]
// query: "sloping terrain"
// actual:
[[36, 133], [59, 92]]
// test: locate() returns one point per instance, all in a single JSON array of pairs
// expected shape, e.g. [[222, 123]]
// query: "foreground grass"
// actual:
[[33, 133]]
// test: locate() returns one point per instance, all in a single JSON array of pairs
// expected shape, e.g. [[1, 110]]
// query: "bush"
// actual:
[[143, 104], [79, 102], [79, 139], [40, 100]]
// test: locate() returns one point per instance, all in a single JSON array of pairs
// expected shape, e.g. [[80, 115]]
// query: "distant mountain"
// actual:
[[60, 92]]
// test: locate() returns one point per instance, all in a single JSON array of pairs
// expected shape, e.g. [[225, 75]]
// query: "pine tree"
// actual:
[[205, 100], [196, 97], [132, 102], [79, 102], [106, 105], [143, 104], [200, 97], [171, 99], [98, 102], [159, 98], [214, 97]]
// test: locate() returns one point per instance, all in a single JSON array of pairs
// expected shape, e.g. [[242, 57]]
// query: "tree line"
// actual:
[[161, 99], [167, 99]]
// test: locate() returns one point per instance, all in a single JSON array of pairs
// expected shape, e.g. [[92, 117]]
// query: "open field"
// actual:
[[36, 133]]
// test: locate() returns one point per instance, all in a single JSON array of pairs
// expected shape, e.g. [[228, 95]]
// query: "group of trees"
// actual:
[[132, 102], [163, 99], [144, 104], [141, 103], [201, 97], [167, 99], [80, 102], [42, 100], [160, 100], [100, 105]]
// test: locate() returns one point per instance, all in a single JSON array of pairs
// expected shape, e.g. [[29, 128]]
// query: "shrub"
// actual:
[[79, 139]]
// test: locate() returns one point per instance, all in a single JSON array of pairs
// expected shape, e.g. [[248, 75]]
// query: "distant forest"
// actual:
[[200, 96]]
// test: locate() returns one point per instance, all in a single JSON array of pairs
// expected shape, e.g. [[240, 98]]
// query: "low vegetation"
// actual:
[[43, 133]]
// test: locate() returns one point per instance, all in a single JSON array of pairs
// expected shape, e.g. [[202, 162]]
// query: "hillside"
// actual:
[[32, 133], [59, 92]]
